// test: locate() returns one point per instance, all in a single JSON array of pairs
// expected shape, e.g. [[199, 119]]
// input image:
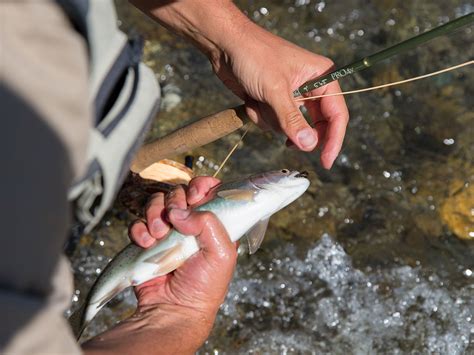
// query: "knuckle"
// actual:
[[170, 194], [152, 210], [327, 63], [154, 199], [156, 195], [227, 256], [342, 117], [208, 218], [133, 227], [292, 119]]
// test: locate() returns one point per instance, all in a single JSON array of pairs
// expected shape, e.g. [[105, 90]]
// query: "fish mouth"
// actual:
[[303, 174]]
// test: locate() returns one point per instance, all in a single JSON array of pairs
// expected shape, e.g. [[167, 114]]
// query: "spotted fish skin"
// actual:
[[239, 205]]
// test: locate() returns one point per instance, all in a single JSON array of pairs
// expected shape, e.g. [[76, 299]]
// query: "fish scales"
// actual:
[[243, 207]]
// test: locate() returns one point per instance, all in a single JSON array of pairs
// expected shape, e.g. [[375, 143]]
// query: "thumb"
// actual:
[[212, 236], [293, 123]]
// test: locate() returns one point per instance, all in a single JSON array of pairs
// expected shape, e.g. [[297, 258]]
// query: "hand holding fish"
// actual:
[[156, 226], [186, 301], [190, 285], [194, 260], [262, 69]]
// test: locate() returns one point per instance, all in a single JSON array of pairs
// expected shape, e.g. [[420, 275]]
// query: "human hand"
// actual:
[[200, 284], [176, 312], [263, 70]]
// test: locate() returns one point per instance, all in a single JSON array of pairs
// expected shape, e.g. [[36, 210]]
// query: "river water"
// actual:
[[370, 259]]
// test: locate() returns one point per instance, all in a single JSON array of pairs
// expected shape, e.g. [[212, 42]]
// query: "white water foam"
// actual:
[[324, 304]]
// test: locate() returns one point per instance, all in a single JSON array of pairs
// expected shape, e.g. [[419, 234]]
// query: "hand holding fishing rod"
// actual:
[[221, 123], [262, 69], [265, 77]]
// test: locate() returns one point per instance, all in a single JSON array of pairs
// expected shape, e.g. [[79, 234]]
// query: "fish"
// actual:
[[242, 206]]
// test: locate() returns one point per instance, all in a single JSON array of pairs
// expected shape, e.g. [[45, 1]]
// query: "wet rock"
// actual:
[[457, 211], [428, 223]]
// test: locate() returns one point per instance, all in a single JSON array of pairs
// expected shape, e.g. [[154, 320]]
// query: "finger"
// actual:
[[212, 236], [139, 234], [154, 214], [292, 122], [321, 127], [335, 112], [176, 198], [253, 111], [320, 131], [314, 109], [199, 187]]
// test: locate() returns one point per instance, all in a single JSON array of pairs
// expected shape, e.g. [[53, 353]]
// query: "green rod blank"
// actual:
[[366, 62]]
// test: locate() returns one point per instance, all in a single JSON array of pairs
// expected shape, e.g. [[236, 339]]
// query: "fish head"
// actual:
[[279, 187], [244, 206]]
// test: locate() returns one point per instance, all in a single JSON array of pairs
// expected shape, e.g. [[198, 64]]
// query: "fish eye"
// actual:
[[285, 171]]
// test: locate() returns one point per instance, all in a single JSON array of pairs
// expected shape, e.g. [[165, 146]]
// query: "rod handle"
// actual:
[[194, 135]]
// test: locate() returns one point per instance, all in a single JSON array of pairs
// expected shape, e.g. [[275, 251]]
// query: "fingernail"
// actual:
[[157, 225], [178, 213], [146, 239], [306, 138], [172, 206]]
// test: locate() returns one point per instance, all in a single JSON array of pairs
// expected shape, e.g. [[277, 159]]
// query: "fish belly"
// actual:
[[166, 258]]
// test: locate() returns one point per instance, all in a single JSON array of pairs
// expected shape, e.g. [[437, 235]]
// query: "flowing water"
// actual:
[[370, 259]]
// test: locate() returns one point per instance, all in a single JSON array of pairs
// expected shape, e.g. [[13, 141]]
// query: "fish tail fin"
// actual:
[[76, 320]]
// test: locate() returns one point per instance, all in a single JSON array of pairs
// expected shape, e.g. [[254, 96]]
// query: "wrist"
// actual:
[[156, 327], [213, 26]]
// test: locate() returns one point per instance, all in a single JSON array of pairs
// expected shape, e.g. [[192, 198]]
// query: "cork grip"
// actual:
[[194, 135]]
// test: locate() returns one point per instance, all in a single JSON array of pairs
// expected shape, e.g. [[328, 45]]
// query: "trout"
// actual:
[[243, 207]]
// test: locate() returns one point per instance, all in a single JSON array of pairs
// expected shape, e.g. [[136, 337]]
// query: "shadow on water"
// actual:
[[368, 260]]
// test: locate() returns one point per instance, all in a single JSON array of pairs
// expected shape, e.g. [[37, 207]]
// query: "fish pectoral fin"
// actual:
[[111, 294], [167, 260], [237, 194], [256, 234]]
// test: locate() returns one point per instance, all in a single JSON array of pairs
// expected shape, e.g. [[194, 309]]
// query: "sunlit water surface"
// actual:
[[367, 261]]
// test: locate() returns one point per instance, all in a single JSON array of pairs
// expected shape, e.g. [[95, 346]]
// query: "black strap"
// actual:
[[112, 84]]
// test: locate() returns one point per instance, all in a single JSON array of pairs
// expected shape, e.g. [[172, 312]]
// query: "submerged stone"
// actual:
[[457, 212]]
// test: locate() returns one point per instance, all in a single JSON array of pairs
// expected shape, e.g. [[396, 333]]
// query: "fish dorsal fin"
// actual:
[[256, 234], [237, 194]]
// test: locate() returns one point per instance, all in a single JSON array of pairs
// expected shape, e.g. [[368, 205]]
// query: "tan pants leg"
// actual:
[[43, 61]]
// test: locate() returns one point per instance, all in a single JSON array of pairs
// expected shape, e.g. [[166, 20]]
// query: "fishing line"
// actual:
[[247, 127], [469, 62]]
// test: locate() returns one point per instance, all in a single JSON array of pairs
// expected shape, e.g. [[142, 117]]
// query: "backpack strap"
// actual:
[[125, 96]]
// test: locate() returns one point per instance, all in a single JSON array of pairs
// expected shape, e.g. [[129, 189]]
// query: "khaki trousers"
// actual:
[[43, 64]]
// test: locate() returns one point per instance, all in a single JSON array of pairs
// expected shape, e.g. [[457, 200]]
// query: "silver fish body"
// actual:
[[243, 207]]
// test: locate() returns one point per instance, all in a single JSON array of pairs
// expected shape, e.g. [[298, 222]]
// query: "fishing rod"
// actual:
[[369, 61], [218, 125]]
